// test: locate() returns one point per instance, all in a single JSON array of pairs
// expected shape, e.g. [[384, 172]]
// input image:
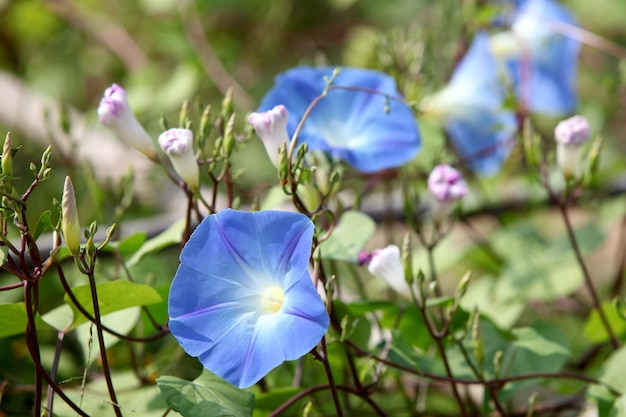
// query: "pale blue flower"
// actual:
[[471, 107], [242, 300], [542, 62], [365, 129]]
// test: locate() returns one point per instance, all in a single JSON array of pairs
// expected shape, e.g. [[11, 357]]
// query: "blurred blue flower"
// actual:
[[472, 110], [362, 128], [542, 62], [242, 300]]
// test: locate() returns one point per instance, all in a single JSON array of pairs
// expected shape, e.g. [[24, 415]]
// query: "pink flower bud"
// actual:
[[271, 126], [114, 112], [573, 131], [446, 184], [178, 145]]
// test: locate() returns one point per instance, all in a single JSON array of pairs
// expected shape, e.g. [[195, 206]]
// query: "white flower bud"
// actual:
[[115, 113], [386, 263], [178, 145], [271, 126]]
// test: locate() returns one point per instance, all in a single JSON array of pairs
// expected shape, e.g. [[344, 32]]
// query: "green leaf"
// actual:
[[274, 198], [61, 318], [613, 375], [112, 296], [594, 328], [266, 402], [207, 395], [13, 319], [132, 243], [134, 397], [349, 237], [4, 252], [42, 224], [171, 236], [122, 321]]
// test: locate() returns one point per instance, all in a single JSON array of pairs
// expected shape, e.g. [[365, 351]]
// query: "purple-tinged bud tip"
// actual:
[[573, 131], [446, 184]]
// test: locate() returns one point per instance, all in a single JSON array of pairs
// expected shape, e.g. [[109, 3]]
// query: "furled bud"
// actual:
[[178, 145], [7, 156], [387, 264], [271, 126], [570, 134], [115, 113], [69, 223], [446, 185]]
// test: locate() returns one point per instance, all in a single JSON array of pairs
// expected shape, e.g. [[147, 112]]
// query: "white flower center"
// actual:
[[272, 299]]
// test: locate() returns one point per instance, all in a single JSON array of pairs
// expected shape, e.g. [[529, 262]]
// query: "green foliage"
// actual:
[[207, 395], [112, 297], [348, 237]]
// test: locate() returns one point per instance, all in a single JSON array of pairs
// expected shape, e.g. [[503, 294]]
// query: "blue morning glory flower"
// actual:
[[242, 300], [362, 128], [542, 62], [472, 110]]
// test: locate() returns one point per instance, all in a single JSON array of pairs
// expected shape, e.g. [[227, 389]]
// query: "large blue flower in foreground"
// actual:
[[472, 110], [242, 300], [363, 128], [542, 62]]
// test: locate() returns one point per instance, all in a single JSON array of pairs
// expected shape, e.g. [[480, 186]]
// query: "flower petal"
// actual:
[[216, 304], [359, 125]]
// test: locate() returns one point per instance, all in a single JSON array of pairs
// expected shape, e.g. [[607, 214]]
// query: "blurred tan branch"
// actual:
[[209, 59], [104, 31], [24, 110]]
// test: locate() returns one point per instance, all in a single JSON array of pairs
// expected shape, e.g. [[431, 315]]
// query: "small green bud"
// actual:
[[46, 156], [182, 116], [93, 229], [283, 163], [227, 104], [477, 342], [205, 124], [302, 151], [70, 224], [229, 136], [497, 361], [407, 259], [593, 160], [7, 156], [108, 236], [461, 288]]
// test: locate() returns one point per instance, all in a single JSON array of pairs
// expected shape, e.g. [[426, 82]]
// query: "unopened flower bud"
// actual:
[[573, 131], [69, 223], [178, 145], [570, 134], [387, 264], [271, 126], [446, 185], [115, 113], [7, 156]]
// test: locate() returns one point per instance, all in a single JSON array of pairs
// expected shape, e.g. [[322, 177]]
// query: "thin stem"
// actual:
[[53, 371], [331, 380], [316, 388], [103, 353], [438, 338], [31, 339], [488, 382], [163, 330], [588, 281]]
